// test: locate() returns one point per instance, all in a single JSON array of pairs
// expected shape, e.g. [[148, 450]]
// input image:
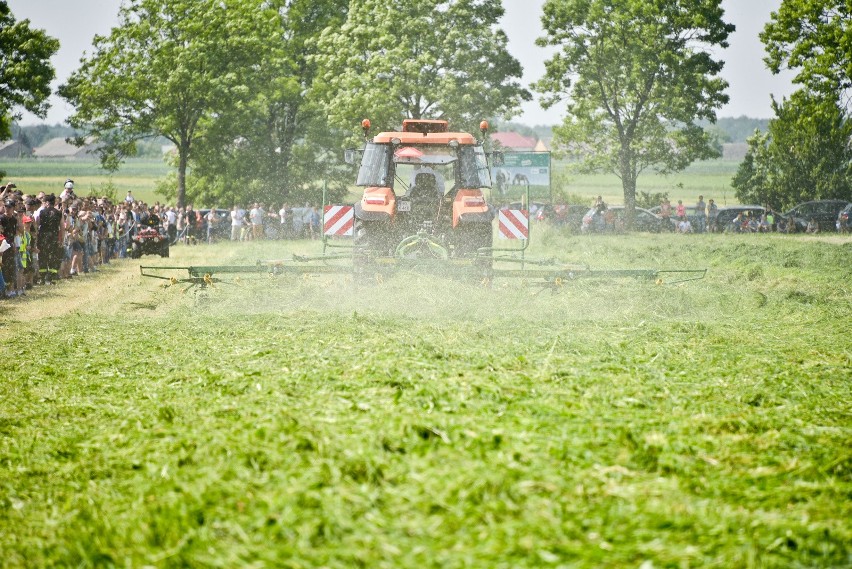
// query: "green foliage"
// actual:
[[814, 38], [650, 199], [171, 68], [638, 75], [25, 69], [805, 155], [302, 422], [429, 59], [285, 149]]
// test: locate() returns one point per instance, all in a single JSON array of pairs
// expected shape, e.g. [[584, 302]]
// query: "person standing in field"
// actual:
[[666, 213], [680, 210], [212, 219], [712, 216], [256, 219], [700, 215], [9, 228], [237, 215], [171, 224], [49, 241]]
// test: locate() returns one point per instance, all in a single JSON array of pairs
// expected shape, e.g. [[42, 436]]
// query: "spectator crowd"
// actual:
[[45, 238]]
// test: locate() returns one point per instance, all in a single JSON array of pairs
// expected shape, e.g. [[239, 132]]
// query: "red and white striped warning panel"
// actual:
[[514, 224], [338, 220]]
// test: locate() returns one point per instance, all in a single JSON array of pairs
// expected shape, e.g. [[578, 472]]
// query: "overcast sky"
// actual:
[[75, 22]]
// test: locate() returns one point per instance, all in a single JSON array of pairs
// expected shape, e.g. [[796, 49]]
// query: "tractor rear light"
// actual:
[[375, 200], [474, 202]]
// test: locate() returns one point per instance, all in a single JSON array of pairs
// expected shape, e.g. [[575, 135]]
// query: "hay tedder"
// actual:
[[423, 209]]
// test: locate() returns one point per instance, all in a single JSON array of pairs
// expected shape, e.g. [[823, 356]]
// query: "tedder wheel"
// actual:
[[164, 252], [135, 250]]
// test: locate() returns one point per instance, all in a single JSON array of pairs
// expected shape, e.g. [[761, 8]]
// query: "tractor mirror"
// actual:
[[497, 159], [349, 155]]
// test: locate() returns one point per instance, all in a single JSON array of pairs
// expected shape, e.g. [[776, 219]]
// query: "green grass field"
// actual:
[[34, 176], [424, 422]]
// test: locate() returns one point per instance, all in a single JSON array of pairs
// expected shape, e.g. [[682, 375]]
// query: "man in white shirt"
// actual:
[[237, 216]]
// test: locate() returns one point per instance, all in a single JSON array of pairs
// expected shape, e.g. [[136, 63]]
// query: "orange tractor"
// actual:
[[423, 196]]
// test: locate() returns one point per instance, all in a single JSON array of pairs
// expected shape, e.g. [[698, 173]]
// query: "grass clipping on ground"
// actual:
[[308, 422]]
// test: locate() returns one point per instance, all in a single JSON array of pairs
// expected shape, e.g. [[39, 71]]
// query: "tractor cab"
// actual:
[[423, 181]]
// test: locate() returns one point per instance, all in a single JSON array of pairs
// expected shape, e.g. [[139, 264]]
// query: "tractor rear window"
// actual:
[[374, 170], [474, 167]]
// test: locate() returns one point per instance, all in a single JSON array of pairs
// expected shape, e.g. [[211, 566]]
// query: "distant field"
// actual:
[[33, 176], [712, 179]]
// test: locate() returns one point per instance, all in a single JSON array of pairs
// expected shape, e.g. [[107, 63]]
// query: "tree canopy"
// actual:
[[805, 153], [285, 146], [813, 37], [171, 68], [25, 69], [392, 60], [637, 74]]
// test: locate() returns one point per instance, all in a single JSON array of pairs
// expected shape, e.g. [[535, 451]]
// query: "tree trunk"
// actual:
[[628, 184], [183, 160]]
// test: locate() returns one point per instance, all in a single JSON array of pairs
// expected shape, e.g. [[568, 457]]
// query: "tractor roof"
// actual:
[[425, 131], [424, 138]]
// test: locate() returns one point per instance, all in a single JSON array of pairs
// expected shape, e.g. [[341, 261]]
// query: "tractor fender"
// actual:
[[377, 204], [469, 206], [368, 215]]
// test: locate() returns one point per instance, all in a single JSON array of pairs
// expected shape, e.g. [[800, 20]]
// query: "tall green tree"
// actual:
[[285, 148], [397, 59], [813, 37], [804, 155], [25, 69], [637, 75], [170, 68]]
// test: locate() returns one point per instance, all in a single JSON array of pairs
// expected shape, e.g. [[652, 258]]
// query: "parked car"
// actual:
[[844, 219], [824, 212], [613, 220], [726, 216]]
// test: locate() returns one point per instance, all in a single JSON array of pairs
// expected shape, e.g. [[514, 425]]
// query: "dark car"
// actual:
[[844, 219], [613, 220], [824, 212], [725, 219]]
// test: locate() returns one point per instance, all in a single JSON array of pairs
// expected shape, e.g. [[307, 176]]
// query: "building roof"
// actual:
[[513, 141], [59, 148], [14, 148]]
